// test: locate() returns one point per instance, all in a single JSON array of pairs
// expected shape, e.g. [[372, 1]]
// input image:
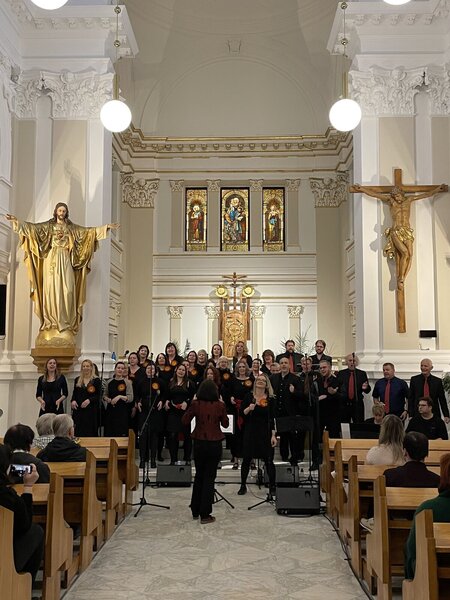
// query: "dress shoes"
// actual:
[[153, 465], [208, 519], [242, 490]]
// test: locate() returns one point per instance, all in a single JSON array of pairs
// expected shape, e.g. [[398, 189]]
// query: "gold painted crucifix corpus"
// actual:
[[399, 236]]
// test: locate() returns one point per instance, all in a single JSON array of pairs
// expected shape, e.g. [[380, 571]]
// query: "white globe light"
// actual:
[[49, 4], [345, 115], [397, 2], [115, 116]]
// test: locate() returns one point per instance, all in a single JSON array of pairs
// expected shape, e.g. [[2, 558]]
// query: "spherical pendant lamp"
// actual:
[[49, 4]]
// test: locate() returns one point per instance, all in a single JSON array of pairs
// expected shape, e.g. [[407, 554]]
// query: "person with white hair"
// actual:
[[427, 385], [63, 448], [44, 427]]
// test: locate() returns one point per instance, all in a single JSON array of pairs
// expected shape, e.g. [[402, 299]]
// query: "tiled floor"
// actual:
[[164, 554]]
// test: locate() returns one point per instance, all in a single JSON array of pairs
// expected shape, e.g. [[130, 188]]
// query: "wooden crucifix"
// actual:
[[400, 238]]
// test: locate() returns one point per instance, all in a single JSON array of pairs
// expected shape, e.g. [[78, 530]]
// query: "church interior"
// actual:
[[234, 198]]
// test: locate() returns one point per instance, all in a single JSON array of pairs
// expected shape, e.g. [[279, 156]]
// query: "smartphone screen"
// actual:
[[20, 470]]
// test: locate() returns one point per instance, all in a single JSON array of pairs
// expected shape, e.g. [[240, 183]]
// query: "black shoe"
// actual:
[[315, 466], [272, 491], [293, 461], [242, 490], [142, 464], [188, 462], [160, 458], [153, 465], [235, 466]]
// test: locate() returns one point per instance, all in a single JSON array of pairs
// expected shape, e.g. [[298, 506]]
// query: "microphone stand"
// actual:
[[145, 473], [269, 499]]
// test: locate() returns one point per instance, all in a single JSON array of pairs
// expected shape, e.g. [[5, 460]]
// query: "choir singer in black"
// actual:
[[209, 413], [353, 384]]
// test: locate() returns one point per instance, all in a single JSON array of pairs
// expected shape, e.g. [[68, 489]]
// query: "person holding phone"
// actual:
[[19, 438], [28, 537]]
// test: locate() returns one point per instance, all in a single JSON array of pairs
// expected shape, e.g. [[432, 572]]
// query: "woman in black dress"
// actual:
[[216, 353], [195, 371], [149, 398], [143, 353], [173, 358], [268, 358], [85, 401], [118, 395], [241, 353], [202, 358], [51, 389], [259, 432], [241, 387], [256, 368], [179, 396]]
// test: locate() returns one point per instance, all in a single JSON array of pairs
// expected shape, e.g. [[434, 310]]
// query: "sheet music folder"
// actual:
[[294, 423]]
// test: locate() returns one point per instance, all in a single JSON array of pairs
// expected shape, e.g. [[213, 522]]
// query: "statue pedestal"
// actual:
[[53, 344]]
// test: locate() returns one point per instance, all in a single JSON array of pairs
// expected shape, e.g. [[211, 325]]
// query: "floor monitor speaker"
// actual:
[[303, 500], [174, 475]]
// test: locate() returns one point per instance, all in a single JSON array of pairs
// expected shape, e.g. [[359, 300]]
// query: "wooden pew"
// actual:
[[81, 506], [109, 485], [13, 585], [432, 576], [385, 544], [58, 554]]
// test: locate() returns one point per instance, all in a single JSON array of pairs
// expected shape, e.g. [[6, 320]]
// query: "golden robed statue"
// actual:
[[57, 255]]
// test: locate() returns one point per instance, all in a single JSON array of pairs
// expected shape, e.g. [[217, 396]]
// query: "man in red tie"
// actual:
[[293, 357], [392, 392], [353, 384], [428, 385]]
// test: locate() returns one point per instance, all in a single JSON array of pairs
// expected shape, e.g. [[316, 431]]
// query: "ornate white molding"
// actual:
[[6, 84], [175, 312], [438, 81], [293, 185], [177, 185], [77, 95], [295, 312], [256, 185], [386, 92], [257, 312], [28, 90], [352, 313], [212, 312], [138, 193], [213, 185], [329, 192], [116, 307]]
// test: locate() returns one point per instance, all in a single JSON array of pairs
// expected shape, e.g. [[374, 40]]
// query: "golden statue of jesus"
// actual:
[[57, 255], [400, 236]]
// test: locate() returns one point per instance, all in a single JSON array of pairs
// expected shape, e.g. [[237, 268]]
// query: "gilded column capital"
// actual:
[[256, 185], [257, 312], [293, 185], [177, 185], [213, 185], [138, 192], [175, 312], [212, 312], [295, 312], [329, 192]]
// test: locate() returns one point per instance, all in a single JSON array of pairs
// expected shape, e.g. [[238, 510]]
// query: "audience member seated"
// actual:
[[28, 538], [44, 426], [62, 448], [428, 424], [378, 415], [414, 472], [441, 514], [19, 439], [390, 443]]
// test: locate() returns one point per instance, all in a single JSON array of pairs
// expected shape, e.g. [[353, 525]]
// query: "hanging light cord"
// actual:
[[117, 45], [344, 42]]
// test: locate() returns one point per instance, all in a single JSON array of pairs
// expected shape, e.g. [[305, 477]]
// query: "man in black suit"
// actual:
[[286, 388], [414, 472], [319, 347], [293, 357], [353, 384], [427, 384]]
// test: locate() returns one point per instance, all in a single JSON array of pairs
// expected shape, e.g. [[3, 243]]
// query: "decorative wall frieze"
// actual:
[[136, 144], [386, 91], [293, 185], [27, 91], [329, 192], [77, 95], [257, 312], [352, 313], [256, 185], [212, 312], [177, 186], [213, 185], [295, 312], [138, 192], [116, 307], [175, 312]]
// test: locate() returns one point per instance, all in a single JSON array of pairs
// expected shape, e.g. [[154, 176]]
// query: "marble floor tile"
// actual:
[[166, 555]]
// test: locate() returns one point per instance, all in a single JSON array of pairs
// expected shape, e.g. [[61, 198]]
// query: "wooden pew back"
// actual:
[[13, 585]]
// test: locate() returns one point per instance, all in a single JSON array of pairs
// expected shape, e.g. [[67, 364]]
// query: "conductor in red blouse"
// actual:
[[210, 414]]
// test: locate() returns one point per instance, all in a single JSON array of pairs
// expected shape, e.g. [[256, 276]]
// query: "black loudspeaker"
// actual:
[[304, 500], [285, 475], [2, 309], [427, 333], [174, 475]]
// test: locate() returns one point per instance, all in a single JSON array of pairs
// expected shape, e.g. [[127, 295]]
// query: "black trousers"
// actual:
[[207, 455], [270, 469], [352, 411], [29, 551], [148, 441], [173, 445]]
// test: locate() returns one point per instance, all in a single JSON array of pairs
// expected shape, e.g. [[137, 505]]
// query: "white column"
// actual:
[[214, 216], [257, 314], [175, 315], [295, 315], [213, 314], [256, 238]]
